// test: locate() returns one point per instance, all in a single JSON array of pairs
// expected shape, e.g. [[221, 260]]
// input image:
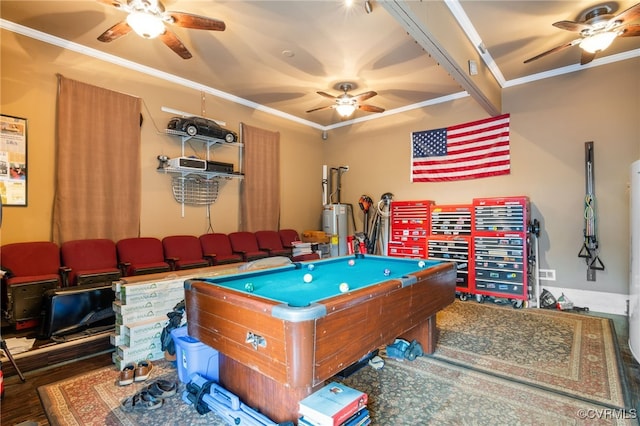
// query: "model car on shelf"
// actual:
[[193, 126]]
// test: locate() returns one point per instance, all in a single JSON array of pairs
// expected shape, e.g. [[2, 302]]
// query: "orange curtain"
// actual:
[[260, 194], [98, 182]]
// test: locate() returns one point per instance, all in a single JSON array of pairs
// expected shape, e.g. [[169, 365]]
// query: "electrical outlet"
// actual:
[[547, 274]]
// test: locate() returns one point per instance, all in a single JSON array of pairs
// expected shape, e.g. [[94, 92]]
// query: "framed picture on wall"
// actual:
[[13, 160]]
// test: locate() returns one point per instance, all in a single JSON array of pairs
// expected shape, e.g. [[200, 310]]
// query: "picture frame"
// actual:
[[13, 161]]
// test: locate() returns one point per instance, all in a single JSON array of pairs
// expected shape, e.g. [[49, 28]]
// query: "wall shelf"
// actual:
[[198, 187]]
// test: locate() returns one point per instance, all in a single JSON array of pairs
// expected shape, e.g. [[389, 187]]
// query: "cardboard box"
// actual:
[[141, 329]]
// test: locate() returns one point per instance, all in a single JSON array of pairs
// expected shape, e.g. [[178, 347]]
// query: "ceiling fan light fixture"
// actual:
[[345, 110], [598, 42], [145, 24]]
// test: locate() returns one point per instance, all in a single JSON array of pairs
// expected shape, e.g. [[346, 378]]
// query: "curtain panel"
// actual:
[[260, 189], [98, 181]]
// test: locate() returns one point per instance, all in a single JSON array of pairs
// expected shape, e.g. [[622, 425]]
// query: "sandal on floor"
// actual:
[[127, 375], [143, 370], [162, 388], [141, 401]]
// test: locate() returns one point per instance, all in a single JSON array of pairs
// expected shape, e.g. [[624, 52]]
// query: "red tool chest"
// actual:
[[450, 240], [409, 226], [500, 246]]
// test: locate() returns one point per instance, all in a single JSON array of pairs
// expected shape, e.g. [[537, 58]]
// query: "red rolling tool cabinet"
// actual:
[[450, 239], [501, 247], [409, 228]]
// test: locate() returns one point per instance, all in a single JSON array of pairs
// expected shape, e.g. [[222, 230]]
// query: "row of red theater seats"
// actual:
[[101, 260]]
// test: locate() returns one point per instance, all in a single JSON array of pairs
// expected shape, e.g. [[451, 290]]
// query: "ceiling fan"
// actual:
[[346, 104], [597, 31], [148, 19]]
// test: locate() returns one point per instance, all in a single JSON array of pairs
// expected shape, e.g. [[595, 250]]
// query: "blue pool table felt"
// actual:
[[286, 284]]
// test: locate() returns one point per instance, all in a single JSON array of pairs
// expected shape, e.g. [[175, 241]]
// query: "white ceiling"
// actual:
[[275, 55]]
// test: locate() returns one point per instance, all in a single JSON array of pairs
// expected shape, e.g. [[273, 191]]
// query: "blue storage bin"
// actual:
[[193, 356]]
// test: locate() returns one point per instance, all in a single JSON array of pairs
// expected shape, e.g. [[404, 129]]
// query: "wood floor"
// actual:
[[21, 402]]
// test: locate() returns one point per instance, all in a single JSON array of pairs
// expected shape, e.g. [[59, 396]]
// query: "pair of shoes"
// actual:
[[135, 373], [143, 370], [161, 388], [413, 351], [150, 397], [140, 401]]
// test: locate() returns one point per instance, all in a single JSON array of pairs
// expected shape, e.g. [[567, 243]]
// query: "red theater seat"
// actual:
[[217, 248], [245, 244], [288, 237], [183, 252], [270, 242], [90, 261], [141, 255], [30, 269]]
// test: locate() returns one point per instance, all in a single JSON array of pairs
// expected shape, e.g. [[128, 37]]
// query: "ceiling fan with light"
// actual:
[[346, 104], [597, 31], [148, 19]]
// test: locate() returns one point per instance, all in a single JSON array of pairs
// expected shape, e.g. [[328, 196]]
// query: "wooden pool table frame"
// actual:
[[271, 362]]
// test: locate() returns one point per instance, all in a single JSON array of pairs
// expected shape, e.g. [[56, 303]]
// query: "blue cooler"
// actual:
[[193, 356]]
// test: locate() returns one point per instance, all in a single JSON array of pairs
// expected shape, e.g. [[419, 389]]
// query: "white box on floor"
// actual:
[[142, 329]]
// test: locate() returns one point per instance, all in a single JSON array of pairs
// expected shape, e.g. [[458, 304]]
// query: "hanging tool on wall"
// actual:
[[589, 250]]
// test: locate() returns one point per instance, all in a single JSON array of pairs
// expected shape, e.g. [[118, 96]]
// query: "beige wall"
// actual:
[[550, 121], [29, 70]]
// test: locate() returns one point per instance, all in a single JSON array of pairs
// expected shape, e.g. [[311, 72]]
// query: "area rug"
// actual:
[[93, 399], [513, 367], [428, 391], [569, 353], [421, 392]]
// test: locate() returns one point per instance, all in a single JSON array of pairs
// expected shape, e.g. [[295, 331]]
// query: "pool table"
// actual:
[[280, 336]]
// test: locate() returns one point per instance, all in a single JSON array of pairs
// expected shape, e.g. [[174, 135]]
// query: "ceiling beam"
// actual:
[[436, 30]]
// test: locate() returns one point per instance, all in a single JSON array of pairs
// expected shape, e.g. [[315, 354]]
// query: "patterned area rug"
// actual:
[[93, 399], [432, 392], [514, 367], [569, 353]]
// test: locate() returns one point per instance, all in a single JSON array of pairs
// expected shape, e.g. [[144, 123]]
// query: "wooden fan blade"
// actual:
[[555, 49], [586, 57], [364, 96], [174, 43], [630, 31], [117, 31], [370, 108], [630, 14], [114, 3], [321, 108], [326, 95], [571, 26], [196, 22]]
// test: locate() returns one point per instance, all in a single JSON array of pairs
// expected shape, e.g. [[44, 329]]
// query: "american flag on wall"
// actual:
[[466, 151]]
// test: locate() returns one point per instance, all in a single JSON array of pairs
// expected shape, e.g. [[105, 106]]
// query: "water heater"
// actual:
[[634, 279], [335, 225]]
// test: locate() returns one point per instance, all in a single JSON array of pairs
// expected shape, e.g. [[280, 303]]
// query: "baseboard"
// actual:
[[596, 301]]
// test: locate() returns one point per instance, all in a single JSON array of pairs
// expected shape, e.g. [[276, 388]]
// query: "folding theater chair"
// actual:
[[245, 244], [30, 269], [288, 237], [90, 261], [270, 242], [141, 255], [217, 248], [183, 252]]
